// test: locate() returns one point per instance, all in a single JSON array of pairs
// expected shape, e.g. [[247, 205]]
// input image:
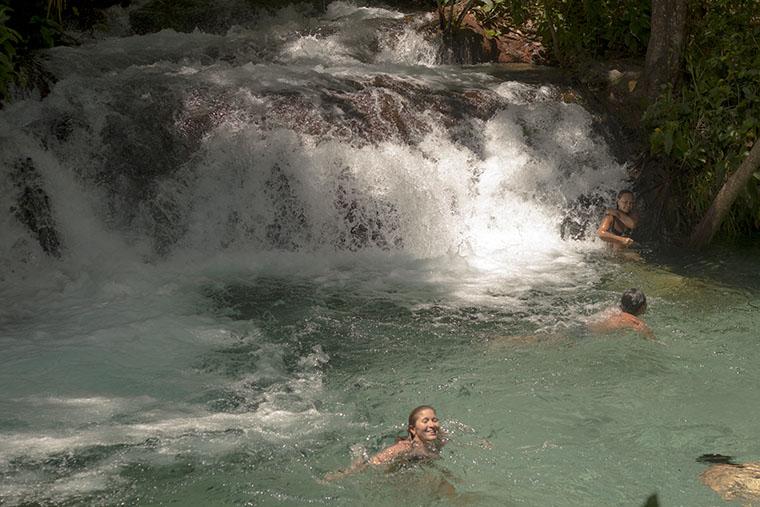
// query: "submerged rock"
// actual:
[[734, 481]]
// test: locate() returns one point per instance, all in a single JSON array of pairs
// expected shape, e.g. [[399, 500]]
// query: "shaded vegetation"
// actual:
[[9, 39], [706, 127], [575, 31], [29, 25]]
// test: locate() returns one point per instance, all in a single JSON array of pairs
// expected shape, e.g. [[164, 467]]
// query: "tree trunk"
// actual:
[[706, 229], [665, 47], [552, 31]]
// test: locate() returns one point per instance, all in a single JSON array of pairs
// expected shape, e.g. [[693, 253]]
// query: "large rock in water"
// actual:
[[32, 206]]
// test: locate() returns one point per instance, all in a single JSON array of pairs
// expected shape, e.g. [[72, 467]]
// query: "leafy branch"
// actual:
[[9, 38], [451, 23]]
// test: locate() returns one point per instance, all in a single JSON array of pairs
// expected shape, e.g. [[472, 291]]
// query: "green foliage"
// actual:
[[449, 17], [488, 12], [707, 127], [577, 30], [45, 32], [492, 15], [596, 28], [34, 24], [496, 16], [9, 38]]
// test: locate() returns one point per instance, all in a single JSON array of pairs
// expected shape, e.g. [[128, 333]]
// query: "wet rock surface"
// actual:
[[32, 207]]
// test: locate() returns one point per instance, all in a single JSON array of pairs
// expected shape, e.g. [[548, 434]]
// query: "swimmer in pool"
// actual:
[[732, 481], [618, 223], [633, 303], [424, 442]]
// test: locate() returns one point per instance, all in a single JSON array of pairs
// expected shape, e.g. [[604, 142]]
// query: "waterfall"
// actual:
[[295, 133]]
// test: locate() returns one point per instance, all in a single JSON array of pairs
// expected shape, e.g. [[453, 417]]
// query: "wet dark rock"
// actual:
[[378, 115], [384, 108], [63, 126], [289, 229], [374, 223], [363, 116], [481, 104], [32, 207], [467, 47]]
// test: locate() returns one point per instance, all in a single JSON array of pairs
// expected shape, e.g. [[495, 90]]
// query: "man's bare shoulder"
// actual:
[[613, 320]]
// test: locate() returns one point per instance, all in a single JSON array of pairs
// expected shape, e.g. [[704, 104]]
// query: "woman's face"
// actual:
[[625, 202], [426, 426]]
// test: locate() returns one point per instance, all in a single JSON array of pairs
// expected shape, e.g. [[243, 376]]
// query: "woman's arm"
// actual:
[[356, 466], [391, 453], [387, 455], [630, 221], [604, 232]]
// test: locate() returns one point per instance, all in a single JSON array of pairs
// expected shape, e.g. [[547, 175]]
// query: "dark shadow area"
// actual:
[[731, 265]]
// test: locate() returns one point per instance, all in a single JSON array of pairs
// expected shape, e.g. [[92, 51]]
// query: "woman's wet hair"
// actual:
[[632, 301], [414, 415], [623, 192]]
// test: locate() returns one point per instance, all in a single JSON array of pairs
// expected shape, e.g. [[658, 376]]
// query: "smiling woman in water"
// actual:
[[424, 442]]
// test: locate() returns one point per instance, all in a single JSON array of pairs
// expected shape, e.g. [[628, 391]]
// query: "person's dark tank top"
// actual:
[[619, 228]]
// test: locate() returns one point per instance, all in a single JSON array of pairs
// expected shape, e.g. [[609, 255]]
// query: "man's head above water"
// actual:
[[633, 301]]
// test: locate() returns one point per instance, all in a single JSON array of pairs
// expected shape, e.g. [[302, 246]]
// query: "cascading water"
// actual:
[[265, 138], [216, 247]]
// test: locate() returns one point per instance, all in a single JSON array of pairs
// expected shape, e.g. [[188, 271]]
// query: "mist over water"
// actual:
[[267, 243]]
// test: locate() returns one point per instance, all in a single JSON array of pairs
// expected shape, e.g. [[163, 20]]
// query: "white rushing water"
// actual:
[[330, 148]]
